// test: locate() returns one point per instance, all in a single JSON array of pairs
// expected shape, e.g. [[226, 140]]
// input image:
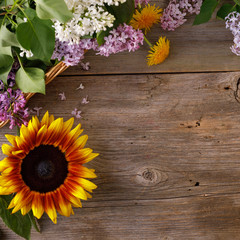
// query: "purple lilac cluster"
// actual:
[[233, 23], [72, 54], [141, 2], [12, 102], [175, 13], [123, 38]]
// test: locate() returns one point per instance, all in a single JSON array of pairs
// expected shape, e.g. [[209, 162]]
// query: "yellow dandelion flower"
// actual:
[[146, 18], [159, 52], [44, 168]]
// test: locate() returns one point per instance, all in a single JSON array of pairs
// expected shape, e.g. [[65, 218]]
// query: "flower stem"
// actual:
[[146, 40]]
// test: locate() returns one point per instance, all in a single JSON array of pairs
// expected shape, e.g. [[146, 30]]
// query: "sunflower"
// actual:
[[159, 52], [44, 168], [146, 18]]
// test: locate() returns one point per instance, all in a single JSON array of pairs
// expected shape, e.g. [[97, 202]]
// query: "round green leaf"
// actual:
[[30, 80], [38, 36], [52, 9], [20, 224]]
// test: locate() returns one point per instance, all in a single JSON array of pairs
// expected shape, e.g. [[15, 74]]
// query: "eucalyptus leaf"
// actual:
[[206, 11], [225, 10], [20, 224], [30, 80], [38, 36], [52, 9], [8, 38]]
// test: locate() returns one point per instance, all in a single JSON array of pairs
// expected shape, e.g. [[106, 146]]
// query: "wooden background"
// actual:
[[168, 138]]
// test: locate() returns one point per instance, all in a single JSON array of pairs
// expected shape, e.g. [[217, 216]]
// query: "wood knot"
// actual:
[[151, 176]]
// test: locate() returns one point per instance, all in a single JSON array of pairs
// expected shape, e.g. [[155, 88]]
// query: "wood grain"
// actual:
[[169, 156]]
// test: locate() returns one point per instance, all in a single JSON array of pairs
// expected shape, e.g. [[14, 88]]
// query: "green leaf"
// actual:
[[6, 3], [52, 9], [6, 61], [225, 10], [20, 224], [34, 220], [101, 35], [8, 38], [123, 13], [30, 80], [38, 36], [206, 11]]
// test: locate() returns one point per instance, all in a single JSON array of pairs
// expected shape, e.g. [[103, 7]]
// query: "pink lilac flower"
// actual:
[[174, 15], [62, 96], [36, 110], [123, 38], [141, 2], [12, 101], [85, 66], [80, 87], [85, 100], [76, 113], [233, 23], [72, 54]]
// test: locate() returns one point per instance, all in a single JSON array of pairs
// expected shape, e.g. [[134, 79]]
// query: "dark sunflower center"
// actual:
[[44, 169]]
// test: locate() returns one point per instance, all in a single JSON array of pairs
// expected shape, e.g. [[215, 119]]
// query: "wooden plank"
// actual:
[[202, 48], [169, 156]]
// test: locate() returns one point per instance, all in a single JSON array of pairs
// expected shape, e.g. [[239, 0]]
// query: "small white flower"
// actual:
[[27, 52]]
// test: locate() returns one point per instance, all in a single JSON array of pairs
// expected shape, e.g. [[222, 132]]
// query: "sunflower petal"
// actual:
[[81, 171], [11, 139], [78, 144], [65, 207], [45, 119], [40, 135], [49, 207], [7, 150], [26, 209], [37, 205]]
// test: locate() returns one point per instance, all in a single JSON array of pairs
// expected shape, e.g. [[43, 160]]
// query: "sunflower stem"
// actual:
[[146, 40]]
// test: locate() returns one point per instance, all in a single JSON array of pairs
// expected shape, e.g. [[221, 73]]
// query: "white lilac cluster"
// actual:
[[175, 13], [89, 16], [233, 23]]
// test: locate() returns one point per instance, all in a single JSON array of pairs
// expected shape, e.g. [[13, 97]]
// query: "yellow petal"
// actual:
[[78, 144], [37, 205], [26, 209], [45, 119], [40, 135], [11, 139], [75, 189], [7, 150], [81, 171], [49, 207]]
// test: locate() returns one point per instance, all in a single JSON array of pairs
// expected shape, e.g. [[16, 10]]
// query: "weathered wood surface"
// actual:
[[169, 163], [202, 48]]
